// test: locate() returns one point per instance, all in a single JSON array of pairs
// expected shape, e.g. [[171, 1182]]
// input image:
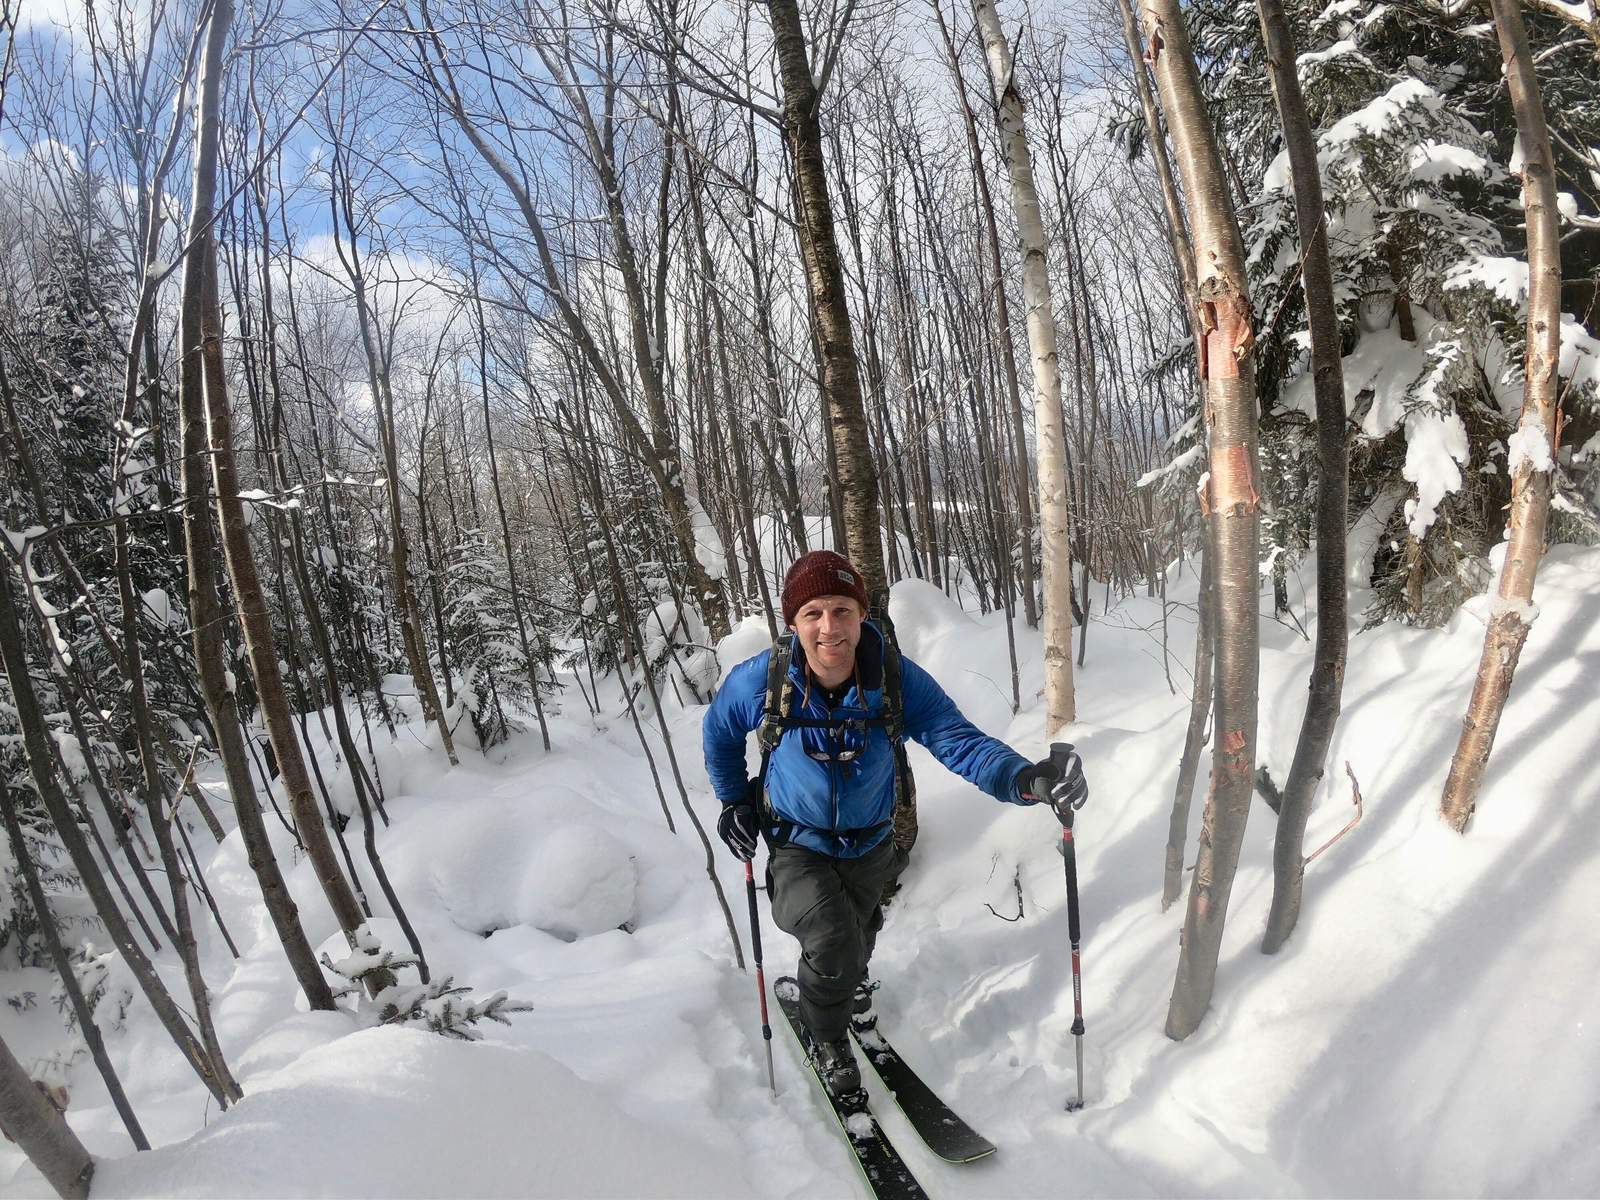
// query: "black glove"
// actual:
[[1062, 787], [739, 828]]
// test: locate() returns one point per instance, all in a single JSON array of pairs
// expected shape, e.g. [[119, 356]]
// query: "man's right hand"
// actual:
[[739, 828]]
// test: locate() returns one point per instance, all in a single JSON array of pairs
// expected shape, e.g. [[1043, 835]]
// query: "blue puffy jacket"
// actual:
[[843, 809]]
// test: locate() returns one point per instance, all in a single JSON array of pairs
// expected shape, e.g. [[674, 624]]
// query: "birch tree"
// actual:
[[1050, 430], [1231, 501], [1532, 450]]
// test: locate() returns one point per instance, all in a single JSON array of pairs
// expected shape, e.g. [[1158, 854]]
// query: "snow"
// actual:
[[1366, 533], [1436, 450], [395, 1112], [861, 1126], [1504, 277], [1340, 49], [552, 865], [1580, 355], [159, 608], [1530, 445], [1428, 1030], [1578, 13], [1381, 114], [1433, 160], [1524, 611], [1177, 466], [708, 547]]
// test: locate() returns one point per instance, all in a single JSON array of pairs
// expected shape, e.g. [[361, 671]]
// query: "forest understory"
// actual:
[[410, 410]]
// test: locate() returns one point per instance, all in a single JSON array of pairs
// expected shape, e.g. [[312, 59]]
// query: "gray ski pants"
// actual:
[[831, 905]]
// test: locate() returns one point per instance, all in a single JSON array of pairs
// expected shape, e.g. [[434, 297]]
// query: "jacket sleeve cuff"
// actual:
[[1015, 795]]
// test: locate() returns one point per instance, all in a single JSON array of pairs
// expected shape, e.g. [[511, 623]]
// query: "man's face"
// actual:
[[829, 628]]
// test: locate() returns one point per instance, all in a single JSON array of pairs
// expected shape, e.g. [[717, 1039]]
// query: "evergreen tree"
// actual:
[[484, 643], [1430, 278], [639, 533]]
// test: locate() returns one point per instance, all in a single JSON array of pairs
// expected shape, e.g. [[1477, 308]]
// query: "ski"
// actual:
[[946, 1134], [885, 1172]]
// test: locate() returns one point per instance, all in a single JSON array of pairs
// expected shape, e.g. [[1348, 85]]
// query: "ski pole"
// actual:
[[1061, 755], [761, 977]]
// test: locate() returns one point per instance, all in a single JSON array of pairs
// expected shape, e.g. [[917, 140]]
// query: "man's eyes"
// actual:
[[816, 614]]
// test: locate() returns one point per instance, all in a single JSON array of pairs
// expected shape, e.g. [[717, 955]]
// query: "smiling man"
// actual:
[[826, 702]]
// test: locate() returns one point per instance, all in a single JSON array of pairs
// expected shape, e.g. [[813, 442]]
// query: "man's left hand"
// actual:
[[1063, 788]]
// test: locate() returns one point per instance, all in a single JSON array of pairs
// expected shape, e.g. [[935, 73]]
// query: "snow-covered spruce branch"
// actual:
[[437, 1006]]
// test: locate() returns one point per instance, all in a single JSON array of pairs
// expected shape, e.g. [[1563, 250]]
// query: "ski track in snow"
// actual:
[[1428, 1029]]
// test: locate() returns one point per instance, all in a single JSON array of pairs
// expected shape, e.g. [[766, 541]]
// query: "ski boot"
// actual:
[[836, 1064]]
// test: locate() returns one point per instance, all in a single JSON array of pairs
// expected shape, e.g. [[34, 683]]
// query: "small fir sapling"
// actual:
[[439, 1006]]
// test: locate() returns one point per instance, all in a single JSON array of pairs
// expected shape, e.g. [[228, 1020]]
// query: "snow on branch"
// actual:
[[438, 1005]]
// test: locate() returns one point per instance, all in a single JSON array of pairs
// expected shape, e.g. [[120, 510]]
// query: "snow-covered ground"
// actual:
[[1429, 1030]]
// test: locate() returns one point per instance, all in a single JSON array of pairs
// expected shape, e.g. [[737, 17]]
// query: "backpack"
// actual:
[[776, 721]]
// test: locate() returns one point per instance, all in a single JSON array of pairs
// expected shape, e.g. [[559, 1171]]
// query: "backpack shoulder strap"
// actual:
[[894, 714], [779, 699], [894, 711], [776, 707]]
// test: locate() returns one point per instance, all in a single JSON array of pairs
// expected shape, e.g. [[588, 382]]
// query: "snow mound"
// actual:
[[967, 656], [493, 864], [748, 639], [922, 613], [580, 881], [453, 1119]]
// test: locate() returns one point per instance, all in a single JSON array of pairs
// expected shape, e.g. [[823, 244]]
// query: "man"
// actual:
[[826, 803]]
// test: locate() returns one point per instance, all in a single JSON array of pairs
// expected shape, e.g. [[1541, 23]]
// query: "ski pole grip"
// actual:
[[1061, 759]]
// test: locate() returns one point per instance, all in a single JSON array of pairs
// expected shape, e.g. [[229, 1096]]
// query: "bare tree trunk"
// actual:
[[744, 497], [1176, 227], [1002, 328], [202, 325], [60, 668], [1194, 738], [499, 496], [1538, 431], [1333, 458], [31, 1121], [632, 639], [36, 742], [378, 357], [206, 622], [841, 373], [1054, 519], [69, 977], [1232, 501]]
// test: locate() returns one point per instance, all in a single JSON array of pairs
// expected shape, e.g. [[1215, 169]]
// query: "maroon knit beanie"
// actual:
[[820, 573]]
